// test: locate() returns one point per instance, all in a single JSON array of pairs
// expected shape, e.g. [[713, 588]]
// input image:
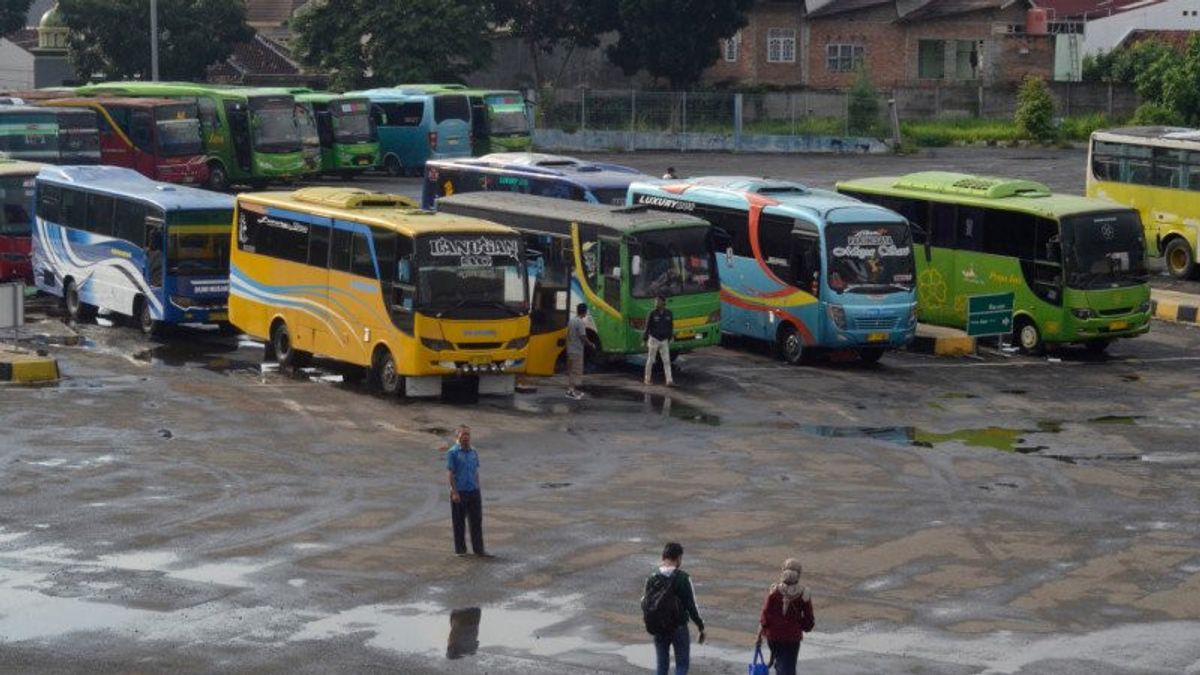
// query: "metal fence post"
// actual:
[[792, 110], [632, 119], [737, 122], [583, 109], [683, 114]]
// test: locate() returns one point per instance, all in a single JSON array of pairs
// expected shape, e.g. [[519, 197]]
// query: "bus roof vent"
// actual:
[[974, 186], [351, 198]]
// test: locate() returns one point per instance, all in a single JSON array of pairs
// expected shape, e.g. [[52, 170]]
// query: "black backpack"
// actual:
[[661, 610]]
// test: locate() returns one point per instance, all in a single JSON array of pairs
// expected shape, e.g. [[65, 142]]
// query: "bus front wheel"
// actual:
[[393, 166], [1028, 337], [77, 309], [1181, 260], [386, 375], [1097, 346], [218, 179], [285, 352], [146, 322], [790, 344], [871, 354]]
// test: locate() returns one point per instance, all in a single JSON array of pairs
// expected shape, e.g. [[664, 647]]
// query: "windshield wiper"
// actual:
[[477, 303], [876, 288]]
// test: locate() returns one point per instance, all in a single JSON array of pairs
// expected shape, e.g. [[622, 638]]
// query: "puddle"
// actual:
[[212, 356], [1004, 439], [555, 486], [1116, 419], [958, 394], [617, 400]]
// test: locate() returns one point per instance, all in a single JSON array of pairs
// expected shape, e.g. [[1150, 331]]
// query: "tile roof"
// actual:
[[270, 13], [1175, 38], [1071, 9], [834, 7]]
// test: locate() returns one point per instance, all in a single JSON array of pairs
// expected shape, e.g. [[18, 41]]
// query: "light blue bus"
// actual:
[[530, 173], [803, 268], [108, 238], [415, 126]]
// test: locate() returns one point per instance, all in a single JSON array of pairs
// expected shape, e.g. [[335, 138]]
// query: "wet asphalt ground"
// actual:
[[177, 505]]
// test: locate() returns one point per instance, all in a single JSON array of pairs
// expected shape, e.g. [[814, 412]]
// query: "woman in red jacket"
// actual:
[[786, 616]]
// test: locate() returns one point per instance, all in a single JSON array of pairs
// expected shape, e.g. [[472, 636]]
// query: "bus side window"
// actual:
[[399, 284], [775, 244], [325, 126], [71, 209], [379, 116], [806, 249], [735, 224], [942, 221], [1047, 265], [130, 222], [1010, 233], [154, 245], [341, 254], [318, 246], [209, 119], [100, 214], [48, 199], [610, 264], [970, 227], [1168, 168], [361, 264], [141, 129], [1193, 171]]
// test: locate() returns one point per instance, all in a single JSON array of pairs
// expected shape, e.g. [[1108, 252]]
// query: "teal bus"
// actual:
[[1075, 265], [804, 269], [501, 120], [251, 136], [414, 126]]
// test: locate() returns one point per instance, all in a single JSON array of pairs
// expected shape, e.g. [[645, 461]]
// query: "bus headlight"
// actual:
[[713, 316], [1144, 308], [1082, 313], [517, 343], [184, 302], [436, 345], [837, 314]]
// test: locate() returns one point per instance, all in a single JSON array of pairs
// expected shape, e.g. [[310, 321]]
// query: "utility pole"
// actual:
[[154, 40]]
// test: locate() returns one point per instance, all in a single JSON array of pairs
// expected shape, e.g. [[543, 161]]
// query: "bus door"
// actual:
[[806, 261], [238, 117], [318, 258], [937, 285], [548, 261], [156, 247], [141, 132], [480, 126]]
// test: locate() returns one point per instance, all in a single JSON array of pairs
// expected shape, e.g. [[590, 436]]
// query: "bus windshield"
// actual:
[[275, 124], [1104, 250], [198, 242], [678, 261], [351, 121], [471, 276], [869, 258], [16, 193], [78, 135], [507, 115], [178, 129]]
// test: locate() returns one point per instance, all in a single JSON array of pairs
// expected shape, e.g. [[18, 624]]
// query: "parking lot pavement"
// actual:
[[178, 506]]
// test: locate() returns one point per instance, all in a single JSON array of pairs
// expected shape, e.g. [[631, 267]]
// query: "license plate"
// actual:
[[218, 316], [453, 141], [877, 337], [1118, 325], [363, 161], [480, 360]]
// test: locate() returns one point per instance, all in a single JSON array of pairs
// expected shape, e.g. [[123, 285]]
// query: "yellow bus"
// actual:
[[1155, 170], [410, 298]]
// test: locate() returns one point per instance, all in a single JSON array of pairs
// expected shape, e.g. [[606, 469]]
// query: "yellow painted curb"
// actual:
[[1167, 310], [953, 346], [23, 368]]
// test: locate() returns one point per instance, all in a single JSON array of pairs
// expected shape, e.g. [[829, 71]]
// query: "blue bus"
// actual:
[[415, 126], [108, 238], [530, 173], [803, 268]]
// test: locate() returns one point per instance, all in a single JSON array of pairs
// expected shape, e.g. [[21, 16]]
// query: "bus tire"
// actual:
[[145, 319], [1180, 259], [1097, 346], [870, 355], [77, 310], [1027, 336], [285, 352], [218, 178], [392, 165], [789, 344], [385, 375]]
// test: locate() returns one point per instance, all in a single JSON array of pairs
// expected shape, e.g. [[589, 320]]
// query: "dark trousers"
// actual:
[[785, 655], [468, 508], [681, 640]]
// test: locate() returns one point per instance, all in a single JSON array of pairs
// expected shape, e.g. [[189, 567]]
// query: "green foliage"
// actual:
[[365, 42], [1155, 114], [111, 37], [546, 25], [1081, 128], [676, 40], [863, 106], [12, 15], [1035, 110], [972, 130]]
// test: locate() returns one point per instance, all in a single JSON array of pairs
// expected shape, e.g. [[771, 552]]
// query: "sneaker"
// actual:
[[670, 384], [646, 383], [577, 395]]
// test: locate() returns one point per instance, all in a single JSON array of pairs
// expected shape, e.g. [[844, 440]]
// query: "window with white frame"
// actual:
[[781, 45], [841, 58], [731, 47]]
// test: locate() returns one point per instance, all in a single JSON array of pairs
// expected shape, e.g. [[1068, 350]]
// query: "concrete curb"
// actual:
[[1173, 310], [25, 368], [941, 342]]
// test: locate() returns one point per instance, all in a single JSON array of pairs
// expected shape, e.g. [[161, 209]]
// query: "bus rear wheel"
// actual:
[[218, 179], [77, 310], [285, 352], [790, 345], [386, 375], [1028, 337], [1180, 259], [393, 166]]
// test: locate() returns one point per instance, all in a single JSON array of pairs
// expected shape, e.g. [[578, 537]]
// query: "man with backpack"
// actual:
[[667, 604]]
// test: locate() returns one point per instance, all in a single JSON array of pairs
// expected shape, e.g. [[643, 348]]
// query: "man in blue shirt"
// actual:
[[466, 500]]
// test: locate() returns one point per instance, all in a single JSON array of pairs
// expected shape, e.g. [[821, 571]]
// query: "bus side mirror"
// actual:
[[635, 266], [560, 301]]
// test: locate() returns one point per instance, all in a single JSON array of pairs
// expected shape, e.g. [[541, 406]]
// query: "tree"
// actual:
[[12, 15], [367, 42], [1035, 109], [674, 39], [112, 37], [862, 109], [546, 25]]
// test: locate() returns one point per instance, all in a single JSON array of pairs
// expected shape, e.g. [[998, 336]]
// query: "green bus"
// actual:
[[252, 136], [1075, 265], [347, 139], [617, 260], [500, 118]]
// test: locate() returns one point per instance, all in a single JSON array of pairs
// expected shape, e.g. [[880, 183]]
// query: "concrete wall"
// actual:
[[16, 67], [556, 140], [1102, 34]]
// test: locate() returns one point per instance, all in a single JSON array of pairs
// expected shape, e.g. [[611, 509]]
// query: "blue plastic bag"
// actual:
[[758, 665]]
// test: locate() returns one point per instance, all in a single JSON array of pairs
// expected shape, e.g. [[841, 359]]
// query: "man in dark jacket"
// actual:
[[681, 586], [660, 328]]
